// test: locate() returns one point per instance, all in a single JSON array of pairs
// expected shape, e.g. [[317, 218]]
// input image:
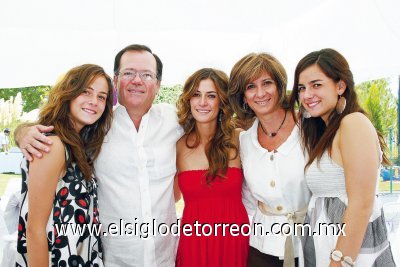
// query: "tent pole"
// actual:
[[398, 120], [398, 129]]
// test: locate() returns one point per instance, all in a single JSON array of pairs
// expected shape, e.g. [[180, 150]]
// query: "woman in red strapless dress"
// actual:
[[215, 226]]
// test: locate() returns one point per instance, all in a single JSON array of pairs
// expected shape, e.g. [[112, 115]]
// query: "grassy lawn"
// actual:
[[385, 186]]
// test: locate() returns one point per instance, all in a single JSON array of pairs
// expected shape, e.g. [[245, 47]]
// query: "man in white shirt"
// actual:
[[136, 166], [4, 140]]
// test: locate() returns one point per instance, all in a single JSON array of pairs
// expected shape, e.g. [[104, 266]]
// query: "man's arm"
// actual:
[[31, 140]]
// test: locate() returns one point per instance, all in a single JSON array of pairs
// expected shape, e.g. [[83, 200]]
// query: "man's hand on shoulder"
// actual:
[[32, 141]]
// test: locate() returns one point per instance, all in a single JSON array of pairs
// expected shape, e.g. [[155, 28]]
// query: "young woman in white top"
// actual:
[[272, 159], [344, 161]]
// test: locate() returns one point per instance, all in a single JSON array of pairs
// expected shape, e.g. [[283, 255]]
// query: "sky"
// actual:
[[42, 39]]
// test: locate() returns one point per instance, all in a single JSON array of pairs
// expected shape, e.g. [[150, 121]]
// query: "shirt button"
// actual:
[[272, 183], [279, 208]]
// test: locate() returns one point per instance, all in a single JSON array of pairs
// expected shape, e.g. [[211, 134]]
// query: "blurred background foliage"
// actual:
[[32, 97], [168, 94]]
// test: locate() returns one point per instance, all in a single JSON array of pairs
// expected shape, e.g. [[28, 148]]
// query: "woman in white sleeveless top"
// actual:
[[344, 161]]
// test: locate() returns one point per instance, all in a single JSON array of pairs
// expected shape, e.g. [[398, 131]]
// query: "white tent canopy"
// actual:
[[42, 39]]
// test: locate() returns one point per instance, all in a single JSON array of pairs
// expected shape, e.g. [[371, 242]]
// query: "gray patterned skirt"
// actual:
[[325, 218]]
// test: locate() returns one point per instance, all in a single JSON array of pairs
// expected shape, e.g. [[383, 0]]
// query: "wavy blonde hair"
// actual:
[[219, 147], [84, 146]]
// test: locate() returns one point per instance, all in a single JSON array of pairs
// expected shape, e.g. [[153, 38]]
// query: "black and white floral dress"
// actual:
[[75, 204]]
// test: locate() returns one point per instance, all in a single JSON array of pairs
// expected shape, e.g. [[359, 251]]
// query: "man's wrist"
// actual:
[[17, 133]]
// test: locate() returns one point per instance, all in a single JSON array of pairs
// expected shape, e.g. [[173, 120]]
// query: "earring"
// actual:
[[341, 104], [304, 113], [245, 106], [220, 116]]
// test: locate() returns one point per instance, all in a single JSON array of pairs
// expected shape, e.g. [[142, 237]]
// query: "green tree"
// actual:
[[10, 114], [168, 94], [377, 100], [32, 96]]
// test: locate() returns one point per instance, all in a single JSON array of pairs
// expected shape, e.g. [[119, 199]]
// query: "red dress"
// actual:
[[210, 205]]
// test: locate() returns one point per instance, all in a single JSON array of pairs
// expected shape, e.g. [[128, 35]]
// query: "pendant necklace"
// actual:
[[273, 134]]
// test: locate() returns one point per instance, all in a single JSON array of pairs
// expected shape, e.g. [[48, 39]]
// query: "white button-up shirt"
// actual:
[[4, 139], [135, 171], [276, 179]]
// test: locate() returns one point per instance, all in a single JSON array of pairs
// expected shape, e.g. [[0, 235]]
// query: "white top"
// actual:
[[328, 204], [135, 171], [4, 139], [326, 178], [279, 183]]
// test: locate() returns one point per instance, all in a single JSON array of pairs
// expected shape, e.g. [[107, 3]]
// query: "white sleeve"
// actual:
[[2, 139], [249, 201]]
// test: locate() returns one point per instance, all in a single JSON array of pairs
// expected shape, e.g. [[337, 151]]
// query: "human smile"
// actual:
[[90, 111], [263, 102], [204, 111], [312, 104], [136, 91]]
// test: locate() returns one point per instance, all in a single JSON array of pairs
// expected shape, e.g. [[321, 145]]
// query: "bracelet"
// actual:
[[346, 261]]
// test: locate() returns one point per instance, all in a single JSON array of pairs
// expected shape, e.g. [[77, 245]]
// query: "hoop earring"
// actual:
[[245, 106], [304, 113], [341, 104]]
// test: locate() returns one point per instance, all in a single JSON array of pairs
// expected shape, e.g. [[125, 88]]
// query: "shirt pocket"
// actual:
[[165, 161]]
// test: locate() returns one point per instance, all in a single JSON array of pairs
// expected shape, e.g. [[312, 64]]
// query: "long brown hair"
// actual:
[[84, 146], [219, 147], [316, 136], [249, 68]]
